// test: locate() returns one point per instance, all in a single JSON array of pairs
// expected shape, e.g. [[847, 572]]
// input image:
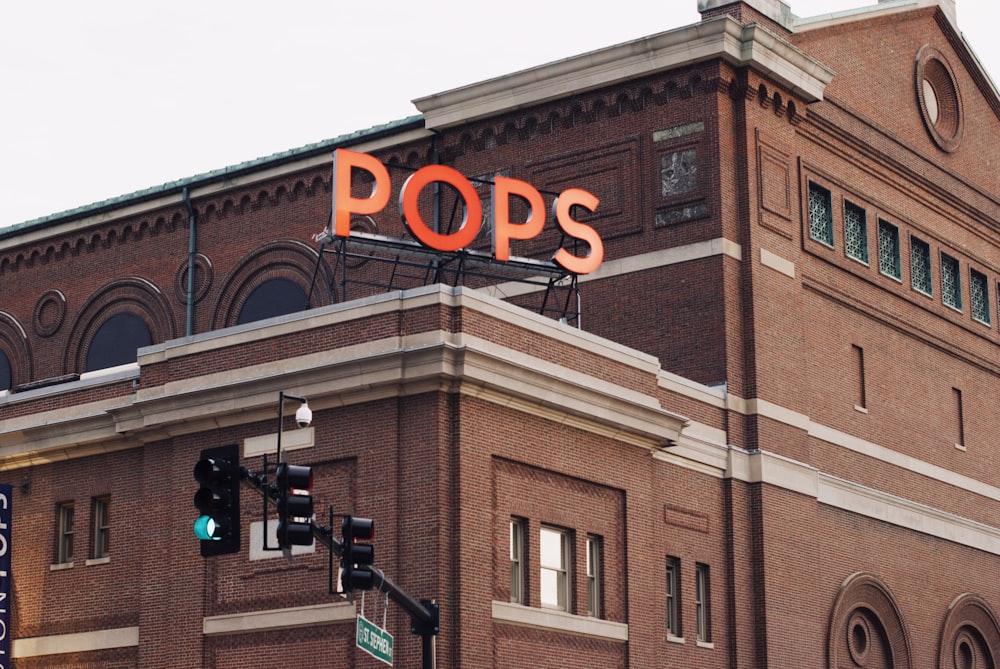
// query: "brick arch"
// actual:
[[866, 627], [133, 295], [285, 259], [970, 635], [14, 344]]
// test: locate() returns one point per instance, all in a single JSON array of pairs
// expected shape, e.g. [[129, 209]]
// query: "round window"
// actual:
[[938, 98]]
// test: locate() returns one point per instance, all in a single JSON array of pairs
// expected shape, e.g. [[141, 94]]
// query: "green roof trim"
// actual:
[[393, 127]]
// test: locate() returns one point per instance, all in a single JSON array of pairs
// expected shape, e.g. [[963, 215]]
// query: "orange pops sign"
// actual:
[[345, 205]]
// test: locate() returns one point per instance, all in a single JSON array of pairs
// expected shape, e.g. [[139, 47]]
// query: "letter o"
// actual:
[[471, 220]]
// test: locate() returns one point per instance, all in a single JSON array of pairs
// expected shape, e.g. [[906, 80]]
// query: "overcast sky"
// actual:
[[103, 98]]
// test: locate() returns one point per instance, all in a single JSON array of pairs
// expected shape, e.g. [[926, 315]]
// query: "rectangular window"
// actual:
[[820, 214], [673, 597], [594, 576], [888, 250], [959, 419], [517, 560], [702, 604], [860, 397], [102, 522], [553, 548], [920, 266], [64, 519], [979, 296], [855, 232], [951, 282]]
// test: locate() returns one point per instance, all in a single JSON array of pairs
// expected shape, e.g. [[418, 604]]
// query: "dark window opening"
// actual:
[[117, 341], [275, 297], [6, 378]]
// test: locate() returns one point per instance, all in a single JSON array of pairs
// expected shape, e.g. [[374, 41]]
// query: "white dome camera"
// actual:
[[304, 415]]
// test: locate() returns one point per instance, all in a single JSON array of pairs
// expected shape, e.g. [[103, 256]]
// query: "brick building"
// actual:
[[758, 436]]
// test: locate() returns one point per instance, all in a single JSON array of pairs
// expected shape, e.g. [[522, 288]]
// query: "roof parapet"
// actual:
[[776, 10], [720, 37], [883, 7]]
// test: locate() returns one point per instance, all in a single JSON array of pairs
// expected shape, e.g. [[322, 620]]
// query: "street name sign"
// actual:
[[374, 640]]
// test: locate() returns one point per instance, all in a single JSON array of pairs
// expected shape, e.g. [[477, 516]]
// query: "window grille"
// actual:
[[979, 297], [920, 266], [951, 282], [855, 232], [820, 214], [888, 250]]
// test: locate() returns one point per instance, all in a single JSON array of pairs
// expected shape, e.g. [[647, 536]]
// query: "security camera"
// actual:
[[304, 415]]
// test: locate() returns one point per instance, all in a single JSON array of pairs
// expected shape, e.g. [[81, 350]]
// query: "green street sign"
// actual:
[[374, 640]]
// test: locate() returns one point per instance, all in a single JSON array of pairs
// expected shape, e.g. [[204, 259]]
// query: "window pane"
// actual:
[[979, 297], [888, 249], [702, 607], [275, 297], [5, 375], [594, 576], [64, 552], [553, 549], [855, 232], [820, 214], [673, 609], [920, 266], [116, 342], [517, 560], [951, 282], [101, 527]]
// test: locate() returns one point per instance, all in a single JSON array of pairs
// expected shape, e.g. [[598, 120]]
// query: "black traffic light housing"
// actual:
[[218, 500], [295, 505], [357, 558]]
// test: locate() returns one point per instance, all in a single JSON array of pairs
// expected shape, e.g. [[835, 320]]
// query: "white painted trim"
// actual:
[[718, 38], [291, 440], [903, 461], [632, 264], [777, 263], [276, 619], [80, 642], [906, 513], [559, 621]]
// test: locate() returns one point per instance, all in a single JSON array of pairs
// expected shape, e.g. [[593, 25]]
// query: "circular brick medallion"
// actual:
[[938, 98], [50, 310]]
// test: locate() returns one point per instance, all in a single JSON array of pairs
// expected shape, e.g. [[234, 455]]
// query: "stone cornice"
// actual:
[[720, 38], [432, 361]]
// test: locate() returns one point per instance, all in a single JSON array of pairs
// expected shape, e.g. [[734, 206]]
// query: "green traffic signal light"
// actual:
[[218, 500], [206, 529]]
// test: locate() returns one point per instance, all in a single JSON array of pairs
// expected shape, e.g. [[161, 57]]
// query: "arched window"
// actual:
[[5, 375], [275, 297], [116, 341]]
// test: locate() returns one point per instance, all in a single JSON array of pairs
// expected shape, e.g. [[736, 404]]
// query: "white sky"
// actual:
[[103, 98]]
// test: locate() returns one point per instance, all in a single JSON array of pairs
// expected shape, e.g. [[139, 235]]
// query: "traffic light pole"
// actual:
[[424, 614]]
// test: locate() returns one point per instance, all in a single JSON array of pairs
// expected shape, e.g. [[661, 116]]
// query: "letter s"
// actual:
[[561, 209]]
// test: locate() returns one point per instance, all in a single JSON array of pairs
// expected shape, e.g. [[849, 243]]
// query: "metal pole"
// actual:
[[423, 615]]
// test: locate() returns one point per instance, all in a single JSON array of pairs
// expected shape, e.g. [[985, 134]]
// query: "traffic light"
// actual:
[[218, 500], [295, 505], [356, 558]]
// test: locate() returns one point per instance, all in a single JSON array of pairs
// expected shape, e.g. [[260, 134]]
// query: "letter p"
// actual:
[[344, 202]]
